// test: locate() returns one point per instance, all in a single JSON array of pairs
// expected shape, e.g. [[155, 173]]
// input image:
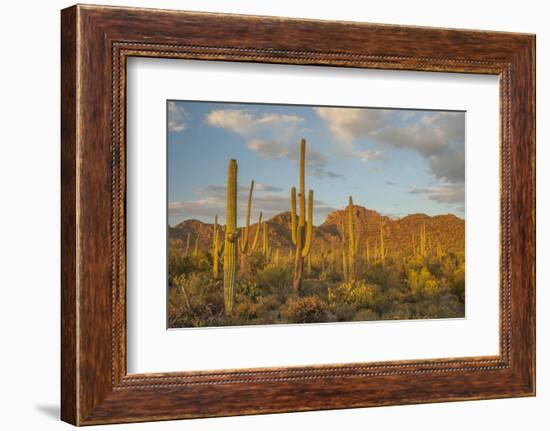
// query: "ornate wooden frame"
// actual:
[[95, 42]]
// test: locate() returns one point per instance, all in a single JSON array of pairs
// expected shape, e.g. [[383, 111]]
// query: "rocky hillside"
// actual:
[[400, 235]]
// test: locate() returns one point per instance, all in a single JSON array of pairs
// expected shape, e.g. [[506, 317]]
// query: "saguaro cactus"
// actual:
[[266, 250], [187, 243], [423, 240], [196, 251], [382, 251], [345, 273], [439, 252], [246, 247], [351, 243], [276, 257], [322, 258], [231, 237], [301, 228], [216, 249]]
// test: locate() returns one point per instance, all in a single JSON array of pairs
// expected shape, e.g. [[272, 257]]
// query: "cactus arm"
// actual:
[[265, 250], [368, 251], [215, 249], [302, 193], [215, 237], [382, 250], [257, 233], [309, 227], [293, 214], [344, 266], [351, 243], [246, 229]]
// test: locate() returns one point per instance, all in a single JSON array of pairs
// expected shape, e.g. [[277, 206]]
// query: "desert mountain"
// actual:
[[400, 235]]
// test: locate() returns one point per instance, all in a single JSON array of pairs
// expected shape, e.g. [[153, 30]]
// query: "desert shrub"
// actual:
[[194, 300], [457, 286], [382, 275], [308, 309], [248, 289], [268, 309], [331, 275], [422, 282], [443, 306], [245, 310], [342, 311], [255, 263], [275, 279], [398, 311], [365, 315], [313, 287], [359, 294], [188, 264]]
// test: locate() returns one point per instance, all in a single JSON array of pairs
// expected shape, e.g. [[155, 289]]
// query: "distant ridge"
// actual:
[[400, 235]]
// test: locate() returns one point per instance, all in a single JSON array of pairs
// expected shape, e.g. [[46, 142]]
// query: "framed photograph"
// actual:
[[265, 215]]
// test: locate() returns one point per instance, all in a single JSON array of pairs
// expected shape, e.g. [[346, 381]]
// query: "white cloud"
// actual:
[[268, 148], [176, 117], [347, 124], [244, 122], [321, 172], [271, 149], [365, 156], [432, 134], [267, 188], [445, 194], [265, 134], [437, 136]]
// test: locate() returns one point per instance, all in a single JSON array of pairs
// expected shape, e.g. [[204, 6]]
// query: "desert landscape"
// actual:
[[357, 265]]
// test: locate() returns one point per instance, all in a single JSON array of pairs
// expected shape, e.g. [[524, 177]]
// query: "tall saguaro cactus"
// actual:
[[322, 257], [439, 252], [246, 247], [266, 249], [196, 250], [302, 228], [382, 252], [351, 244], [423, 240], [231, 236], [345, 273], [216, 249], [187, 243], [367, 252]]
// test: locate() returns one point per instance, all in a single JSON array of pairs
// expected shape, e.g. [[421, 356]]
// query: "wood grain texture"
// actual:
[[69, 397], [96, 41]]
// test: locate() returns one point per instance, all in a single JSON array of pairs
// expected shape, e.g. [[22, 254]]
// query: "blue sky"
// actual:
[[394, 161]]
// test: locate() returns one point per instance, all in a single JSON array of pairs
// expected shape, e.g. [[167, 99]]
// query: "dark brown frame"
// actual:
[[95, 43]]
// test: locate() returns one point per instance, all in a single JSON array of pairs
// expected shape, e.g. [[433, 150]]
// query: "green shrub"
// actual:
[[308, 309], [359, 294], [194, 300], [275, 279], [365, 315], [342, 311]]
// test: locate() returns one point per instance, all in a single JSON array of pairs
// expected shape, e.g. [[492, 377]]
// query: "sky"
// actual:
[[394, 161]]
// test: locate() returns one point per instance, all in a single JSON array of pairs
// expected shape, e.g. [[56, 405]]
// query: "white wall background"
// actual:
[[29, 220]]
